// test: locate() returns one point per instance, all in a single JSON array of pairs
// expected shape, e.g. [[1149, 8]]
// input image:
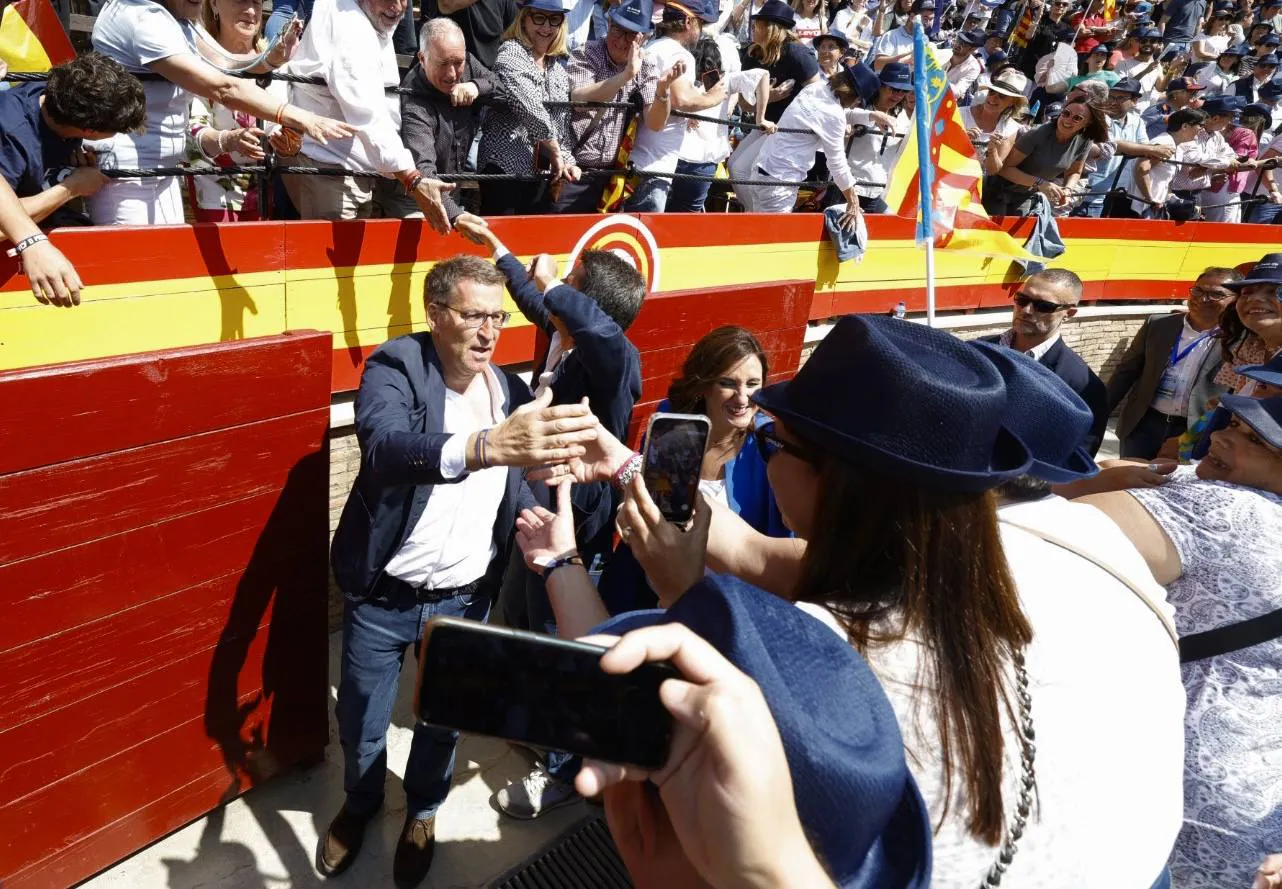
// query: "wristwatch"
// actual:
[[560, 562]]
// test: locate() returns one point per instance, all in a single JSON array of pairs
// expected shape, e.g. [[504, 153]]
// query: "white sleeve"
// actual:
[[354, 78], [831, 130], [157, 35], [454, 456]]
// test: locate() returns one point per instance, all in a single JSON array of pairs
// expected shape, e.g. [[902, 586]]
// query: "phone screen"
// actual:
[[674, 449], [543, 691]]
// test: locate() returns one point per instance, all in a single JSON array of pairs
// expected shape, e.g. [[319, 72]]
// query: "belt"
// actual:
[[1169, 418], [394, 586]]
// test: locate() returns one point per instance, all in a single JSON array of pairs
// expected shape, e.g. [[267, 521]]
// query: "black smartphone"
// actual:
[[543, 691], [674, 446], [711, 78]]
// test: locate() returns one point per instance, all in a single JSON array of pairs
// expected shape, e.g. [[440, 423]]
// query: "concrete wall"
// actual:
[[1099, 334]]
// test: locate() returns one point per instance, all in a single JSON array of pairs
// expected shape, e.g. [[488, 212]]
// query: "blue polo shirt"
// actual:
[[31, 154]]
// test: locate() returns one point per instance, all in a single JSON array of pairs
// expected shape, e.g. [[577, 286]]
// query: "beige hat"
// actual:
[[1010, 82]]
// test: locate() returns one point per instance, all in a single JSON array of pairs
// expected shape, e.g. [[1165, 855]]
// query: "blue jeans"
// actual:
[[375, 637], [1266, 213], [1164, 880], [651, 196], [282, 12], [688, 195]]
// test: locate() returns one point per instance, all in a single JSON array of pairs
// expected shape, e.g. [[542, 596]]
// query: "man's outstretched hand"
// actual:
[[539, 433]]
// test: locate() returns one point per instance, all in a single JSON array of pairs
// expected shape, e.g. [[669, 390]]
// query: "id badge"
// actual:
[[1166, 386]]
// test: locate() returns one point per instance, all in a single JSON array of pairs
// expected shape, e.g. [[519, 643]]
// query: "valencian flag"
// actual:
[[31, 37], [938, 176]]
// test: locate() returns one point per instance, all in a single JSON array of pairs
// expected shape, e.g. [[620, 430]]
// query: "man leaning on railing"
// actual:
[[348, 45]]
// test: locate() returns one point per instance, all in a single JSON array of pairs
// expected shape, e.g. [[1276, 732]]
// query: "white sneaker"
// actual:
[[534, 795]]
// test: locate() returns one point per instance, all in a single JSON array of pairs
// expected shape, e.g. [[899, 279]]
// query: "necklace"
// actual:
[[1027, 779]]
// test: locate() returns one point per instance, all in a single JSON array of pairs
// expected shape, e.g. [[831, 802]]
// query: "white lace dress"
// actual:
[[1229, 539]]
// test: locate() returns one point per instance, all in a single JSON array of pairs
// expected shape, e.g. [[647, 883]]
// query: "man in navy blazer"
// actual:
[[1248, 88], [426, 531], [1042, 303]]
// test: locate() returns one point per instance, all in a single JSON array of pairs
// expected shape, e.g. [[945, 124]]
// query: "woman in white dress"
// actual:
[[148, 37]]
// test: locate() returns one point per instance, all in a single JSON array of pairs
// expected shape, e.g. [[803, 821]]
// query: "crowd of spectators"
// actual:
[[1153, 111]]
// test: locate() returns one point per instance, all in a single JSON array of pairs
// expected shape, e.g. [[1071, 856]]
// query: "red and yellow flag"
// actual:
[[955, 215], [31, 37]]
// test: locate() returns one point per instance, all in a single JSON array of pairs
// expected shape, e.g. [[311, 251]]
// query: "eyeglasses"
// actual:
[[1041, 306], [1210, 294], [542, 19], [475, 320], [769, 444]]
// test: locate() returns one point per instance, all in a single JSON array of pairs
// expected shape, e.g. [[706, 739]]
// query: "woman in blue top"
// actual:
[[718, 379]]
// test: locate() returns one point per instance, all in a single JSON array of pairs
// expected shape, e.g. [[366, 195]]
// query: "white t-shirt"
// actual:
[[658, 152], [709, 143], [1148, 82], [855, 25], [807, 29], [1212, 46], [892, 43], [138, 33], [1160, 174], [1107, 709]]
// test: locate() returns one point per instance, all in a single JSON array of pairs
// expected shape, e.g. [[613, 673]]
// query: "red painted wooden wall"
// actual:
[[163, 543]]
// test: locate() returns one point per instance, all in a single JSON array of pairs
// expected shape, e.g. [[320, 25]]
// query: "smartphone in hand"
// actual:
[[543, 691], [674, 446]]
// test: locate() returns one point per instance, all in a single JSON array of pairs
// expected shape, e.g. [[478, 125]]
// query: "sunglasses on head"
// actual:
[[1041, 306], [540, 19]]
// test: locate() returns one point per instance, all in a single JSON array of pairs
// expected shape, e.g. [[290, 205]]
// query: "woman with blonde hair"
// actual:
[[522, 134], [223, 137], [791, 65]]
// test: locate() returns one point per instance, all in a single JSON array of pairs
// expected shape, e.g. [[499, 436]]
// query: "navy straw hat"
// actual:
[[840, 736], [1221, 105], [972, 38], [1257, 109], [864, 79], [1264, 416], [1270, 372], [777, 11], [1102, 49], [633, 15], [1269, 59], [1272, 39], [1048, 416], [835, 36], [897, 75], [708, 11], [923, 6], [1267, 271], [995, 60], [1239, 49], [1128, 85], [1271, 90], [939, 417]]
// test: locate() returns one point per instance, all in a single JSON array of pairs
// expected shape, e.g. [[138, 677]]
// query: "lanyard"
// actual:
[[1176, 358]]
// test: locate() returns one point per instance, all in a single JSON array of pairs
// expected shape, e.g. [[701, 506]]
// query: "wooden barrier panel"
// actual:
[[163, 543]]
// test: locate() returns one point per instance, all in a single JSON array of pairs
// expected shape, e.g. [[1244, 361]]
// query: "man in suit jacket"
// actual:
[[1169, 368], [426, 531], [1248, 88], [1042, 303]]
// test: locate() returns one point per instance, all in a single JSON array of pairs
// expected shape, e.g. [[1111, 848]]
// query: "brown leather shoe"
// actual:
[[343, 841], [414, 852]]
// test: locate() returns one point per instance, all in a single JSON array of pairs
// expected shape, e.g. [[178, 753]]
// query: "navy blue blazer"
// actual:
[[604, 367], [1245, 87], [400, 415], [1069, 367]]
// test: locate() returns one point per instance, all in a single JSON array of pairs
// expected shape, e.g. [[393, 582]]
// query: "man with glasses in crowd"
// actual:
[[426, 532], [1146, 68], [1042, 303], [1167, 374]]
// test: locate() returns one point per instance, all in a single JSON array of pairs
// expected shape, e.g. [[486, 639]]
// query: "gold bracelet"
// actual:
[[280, 113]]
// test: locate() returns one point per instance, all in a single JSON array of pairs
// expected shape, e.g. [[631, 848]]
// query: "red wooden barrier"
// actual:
[[163, 540]]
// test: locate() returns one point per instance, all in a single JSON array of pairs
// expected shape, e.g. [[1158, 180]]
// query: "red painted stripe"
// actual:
[[95, 405]]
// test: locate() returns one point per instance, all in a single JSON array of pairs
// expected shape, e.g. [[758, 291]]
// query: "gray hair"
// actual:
[[435, 29]]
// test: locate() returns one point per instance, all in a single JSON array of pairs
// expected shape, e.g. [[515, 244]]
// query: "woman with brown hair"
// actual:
[[1047, 160], [791, 64], [718, 379]]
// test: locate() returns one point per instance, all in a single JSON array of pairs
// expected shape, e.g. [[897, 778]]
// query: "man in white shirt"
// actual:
[[897, 45], [963, 67], [426, 532], [657, 150], [348, 45], [1146, 68]]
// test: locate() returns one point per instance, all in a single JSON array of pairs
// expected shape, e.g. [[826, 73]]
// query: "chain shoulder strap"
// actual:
[[1027, 779]]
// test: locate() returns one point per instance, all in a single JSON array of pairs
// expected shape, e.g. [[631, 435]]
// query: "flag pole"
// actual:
[[925, 165]]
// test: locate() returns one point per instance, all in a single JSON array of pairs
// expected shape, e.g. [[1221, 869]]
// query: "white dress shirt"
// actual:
[[873, 156], [962, 76], [452, 543], [341, 46], [791, 155], [1035, 353]]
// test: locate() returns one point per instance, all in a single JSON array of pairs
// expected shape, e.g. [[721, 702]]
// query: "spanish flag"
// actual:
[[945, 166], [31, 37]]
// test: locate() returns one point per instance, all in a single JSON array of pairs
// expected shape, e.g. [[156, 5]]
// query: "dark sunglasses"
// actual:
[[770, 444], [1041, 306], [540, 19]]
